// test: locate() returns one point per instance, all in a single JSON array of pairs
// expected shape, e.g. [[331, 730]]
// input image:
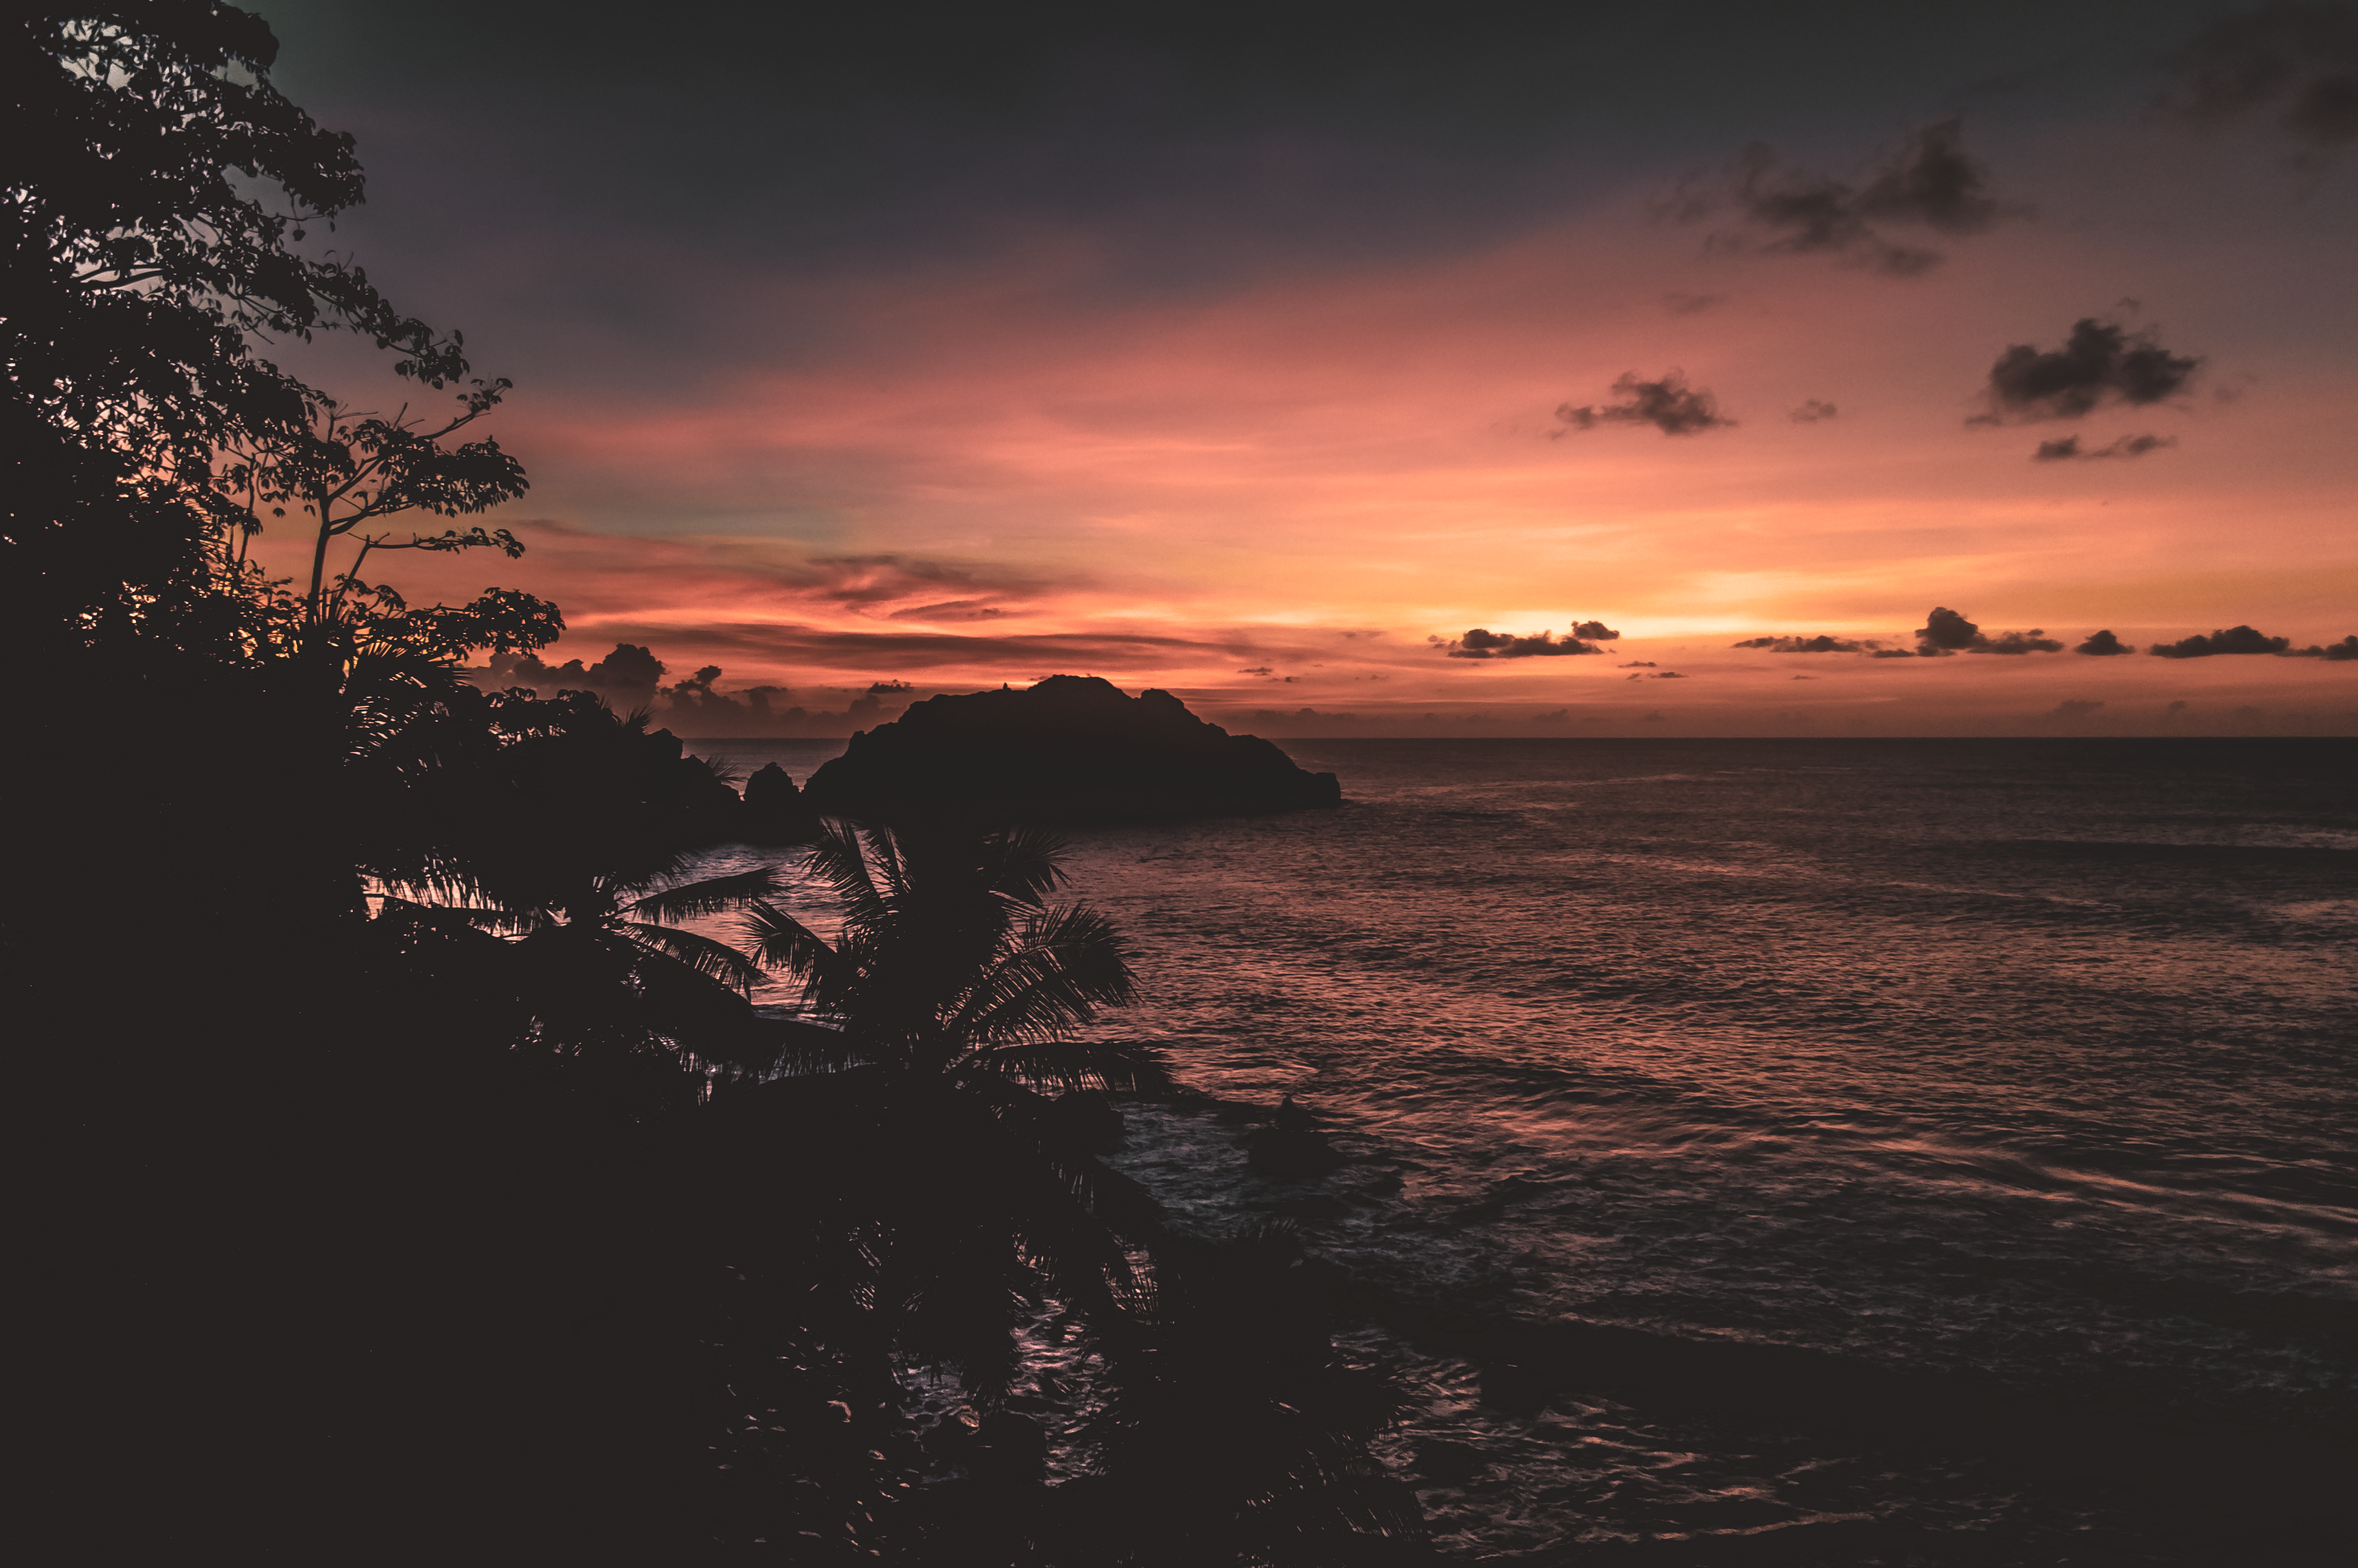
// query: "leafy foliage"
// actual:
[[462, 1152], [159, 187], [956, 992], [554, 836], [951, 962]]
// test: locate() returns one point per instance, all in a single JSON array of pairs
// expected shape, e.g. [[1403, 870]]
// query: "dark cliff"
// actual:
[[775, 812], [1071, 748]]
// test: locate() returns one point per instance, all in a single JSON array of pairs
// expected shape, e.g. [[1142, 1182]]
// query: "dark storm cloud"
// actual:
[[1929, 183], [2100, 362], [1595, 632], [1810, 412], [2234, 640], [1821, 643], [2294, 64], [2067, 448], [1945, 631], [2103, 645], [1668, 404], [1481, 643], [2345, 652]]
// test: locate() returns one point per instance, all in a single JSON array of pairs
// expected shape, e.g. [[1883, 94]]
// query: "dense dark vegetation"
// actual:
[[404, 1178]]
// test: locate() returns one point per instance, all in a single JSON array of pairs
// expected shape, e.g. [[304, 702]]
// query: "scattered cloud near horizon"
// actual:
[[2234, 640], [1822, 643], [2067, 448], [1482, 643], [1947, 632]]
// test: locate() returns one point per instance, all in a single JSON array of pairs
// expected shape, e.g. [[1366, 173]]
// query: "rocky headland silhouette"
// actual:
[[1069, 749], [775, 812]]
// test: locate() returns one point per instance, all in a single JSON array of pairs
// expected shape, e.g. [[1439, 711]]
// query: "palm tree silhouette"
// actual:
[[551, 856], [955, 994]]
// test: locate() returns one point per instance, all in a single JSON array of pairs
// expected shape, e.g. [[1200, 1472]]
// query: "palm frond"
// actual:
[[838, 860], [449, 916], [715, 960], [1065, 964], [710, 896], [702, 1018], [781, 942], [808, 1048], [1066, 1064], [649, 871], [888, 856], [1026, 864]]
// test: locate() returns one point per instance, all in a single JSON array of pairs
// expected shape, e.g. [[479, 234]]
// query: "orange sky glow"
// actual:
[[1291, 487]]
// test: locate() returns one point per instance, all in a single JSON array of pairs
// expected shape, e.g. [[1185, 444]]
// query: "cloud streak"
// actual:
[[2067, 449], [1822, 643], [1669, 404], [1931, 182]]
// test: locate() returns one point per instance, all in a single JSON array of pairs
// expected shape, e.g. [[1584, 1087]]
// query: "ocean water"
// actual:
[[2027, 1068]]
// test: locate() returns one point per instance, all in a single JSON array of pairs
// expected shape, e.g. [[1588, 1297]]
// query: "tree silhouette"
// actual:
[[141, 278], [553, 840], [957, 992], [435, 1172], [347, 469]]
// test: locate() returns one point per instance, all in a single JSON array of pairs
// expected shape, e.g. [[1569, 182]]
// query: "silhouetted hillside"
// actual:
[[1071, 748]]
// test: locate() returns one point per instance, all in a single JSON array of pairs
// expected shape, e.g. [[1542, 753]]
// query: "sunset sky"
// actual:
[[1263, 353]]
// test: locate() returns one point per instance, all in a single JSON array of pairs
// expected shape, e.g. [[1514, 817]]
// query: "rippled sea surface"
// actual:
[[2029, 1065]]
